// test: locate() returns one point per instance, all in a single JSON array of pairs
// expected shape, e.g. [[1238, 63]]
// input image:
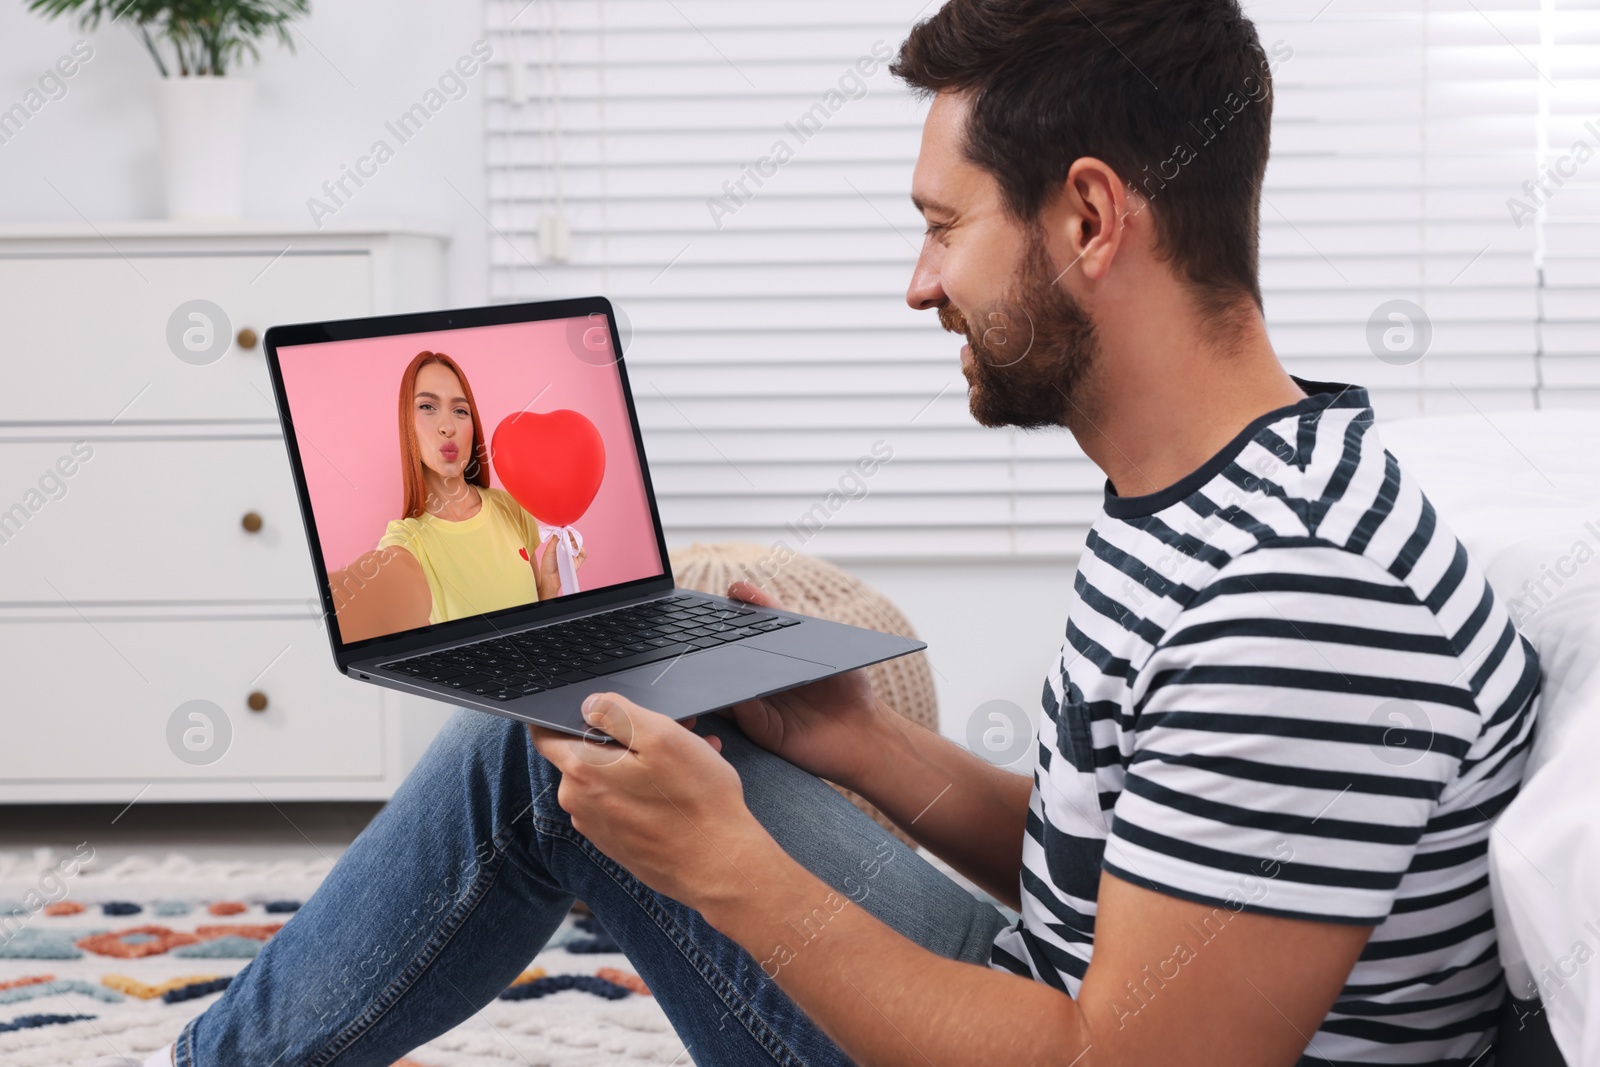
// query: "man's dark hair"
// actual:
[[1174, 95]]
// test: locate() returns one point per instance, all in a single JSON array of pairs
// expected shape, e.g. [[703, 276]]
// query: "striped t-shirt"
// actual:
[[1285, 689]]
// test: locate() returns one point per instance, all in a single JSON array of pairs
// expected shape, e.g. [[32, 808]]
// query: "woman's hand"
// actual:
[[824, 727], [547, 575]]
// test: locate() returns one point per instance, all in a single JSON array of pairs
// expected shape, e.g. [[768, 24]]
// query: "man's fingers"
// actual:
[[732, 710], [559, 748], [629, 726], [752, 594], [622, 719]]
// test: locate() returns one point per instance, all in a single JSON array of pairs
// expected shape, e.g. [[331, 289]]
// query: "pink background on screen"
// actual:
[[343, 397]]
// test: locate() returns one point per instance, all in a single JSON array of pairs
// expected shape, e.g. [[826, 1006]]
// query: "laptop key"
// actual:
[[655, 655]]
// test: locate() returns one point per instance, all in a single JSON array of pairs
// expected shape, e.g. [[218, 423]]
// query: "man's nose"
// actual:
[[926, 290]]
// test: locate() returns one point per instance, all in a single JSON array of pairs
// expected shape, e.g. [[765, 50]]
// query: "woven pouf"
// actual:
[[811, 586]]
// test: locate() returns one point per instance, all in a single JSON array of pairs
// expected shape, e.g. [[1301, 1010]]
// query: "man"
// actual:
[[1285, 711]]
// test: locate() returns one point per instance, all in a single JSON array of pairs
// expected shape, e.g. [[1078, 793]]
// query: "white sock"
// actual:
[[162, 1058]]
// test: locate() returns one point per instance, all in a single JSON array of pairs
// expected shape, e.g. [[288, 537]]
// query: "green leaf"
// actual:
[[201, 36]]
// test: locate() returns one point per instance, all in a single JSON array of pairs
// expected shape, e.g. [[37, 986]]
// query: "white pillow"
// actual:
[[1522, 492]]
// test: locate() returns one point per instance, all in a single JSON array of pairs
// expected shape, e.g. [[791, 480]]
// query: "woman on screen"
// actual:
[[461, 547]]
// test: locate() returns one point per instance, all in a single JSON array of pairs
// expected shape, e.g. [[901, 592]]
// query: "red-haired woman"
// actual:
[[460, 547]]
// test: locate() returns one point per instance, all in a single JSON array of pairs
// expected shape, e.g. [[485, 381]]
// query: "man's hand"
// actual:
[[659, 799], [969, 814], [825, 727]]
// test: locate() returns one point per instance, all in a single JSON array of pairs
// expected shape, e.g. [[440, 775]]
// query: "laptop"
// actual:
[[430, 537]]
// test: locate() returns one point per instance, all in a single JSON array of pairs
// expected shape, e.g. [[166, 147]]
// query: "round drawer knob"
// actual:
[[247, 338], [257, 701], [251, 522]]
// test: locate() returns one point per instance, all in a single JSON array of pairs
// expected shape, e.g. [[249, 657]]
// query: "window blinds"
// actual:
[[735, 176], [1567, 201]]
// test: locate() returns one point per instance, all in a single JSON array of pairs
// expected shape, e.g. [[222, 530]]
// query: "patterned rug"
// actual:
[[112, 959]]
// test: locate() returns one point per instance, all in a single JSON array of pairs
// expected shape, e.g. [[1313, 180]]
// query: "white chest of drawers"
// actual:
[[153, 565]]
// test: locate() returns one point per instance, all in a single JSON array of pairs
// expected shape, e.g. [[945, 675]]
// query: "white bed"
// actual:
[[1522, 492]]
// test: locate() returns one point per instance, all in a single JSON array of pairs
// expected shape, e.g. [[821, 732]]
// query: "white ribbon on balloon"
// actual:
[[565, 565]]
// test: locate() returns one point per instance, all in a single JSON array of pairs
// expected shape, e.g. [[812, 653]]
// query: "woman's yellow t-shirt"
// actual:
[[473, 566]]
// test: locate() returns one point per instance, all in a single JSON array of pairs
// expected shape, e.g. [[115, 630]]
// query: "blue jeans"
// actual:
[[467, 872]]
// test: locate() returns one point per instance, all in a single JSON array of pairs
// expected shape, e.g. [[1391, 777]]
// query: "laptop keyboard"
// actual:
[[533, 661]]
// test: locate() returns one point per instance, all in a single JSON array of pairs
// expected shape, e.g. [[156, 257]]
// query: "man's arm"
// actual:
[[967, 812], [1172, 982]]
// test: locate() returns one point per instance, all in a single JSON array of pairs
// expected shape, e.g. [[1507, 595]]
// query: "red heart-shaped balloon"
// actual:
[[552, 463]]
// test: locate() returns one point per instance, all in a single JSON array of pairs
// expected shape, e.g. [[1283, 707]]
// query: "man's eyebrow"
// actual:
[[926, 204]]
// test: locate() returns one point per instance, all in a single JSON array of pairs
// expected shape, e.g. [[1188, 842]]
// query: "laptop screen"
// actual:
[[468, 471]]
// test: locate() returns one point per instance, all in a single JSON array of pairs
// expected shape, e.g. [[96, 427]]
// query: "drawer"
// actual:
[[150, 520], [93, 700], [89, 334]]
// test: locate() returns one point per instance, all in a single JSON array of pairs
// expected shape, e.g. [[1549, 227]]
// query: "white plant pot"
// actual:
[[202, 144]]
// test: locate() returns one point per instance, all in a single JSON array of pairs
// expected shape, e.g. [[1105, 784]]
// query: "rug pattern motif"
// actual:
[[114, 961]]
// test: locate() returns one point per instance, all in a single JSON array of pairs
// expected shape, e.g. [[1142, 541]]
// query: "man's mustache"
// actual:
[[950, 318]]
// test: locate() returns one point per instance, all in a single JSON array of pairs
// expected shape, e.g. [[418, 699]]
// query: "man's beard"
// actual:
[[1033, 351]]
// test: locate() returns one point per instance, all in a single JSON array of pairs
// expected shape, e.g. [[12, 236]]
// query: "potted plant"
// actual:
[[201, 104]]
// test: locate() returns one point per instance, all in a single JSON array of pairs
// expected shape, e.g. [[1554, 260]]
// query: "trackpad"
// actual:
[[703, 682]]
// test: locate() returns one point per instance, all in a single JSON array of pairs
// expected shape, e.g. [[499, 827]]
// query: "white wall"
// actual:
[[356, 65]]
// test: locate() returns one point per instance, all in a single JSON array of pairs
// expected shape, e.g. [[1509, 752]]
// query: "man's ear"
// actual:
[[1086, 220]]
